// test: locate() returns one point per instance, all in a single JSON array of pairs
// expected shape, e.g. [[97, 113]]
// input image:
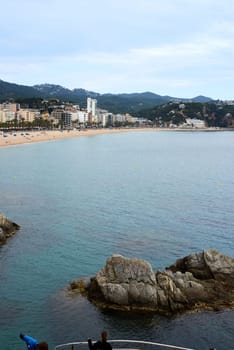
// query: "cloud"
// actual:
[[205, 51], [119, 45], [176, 65], [189, 49]]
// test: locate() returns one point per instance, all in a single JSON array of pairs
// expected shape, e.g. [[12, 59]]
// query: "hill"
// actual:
[[213, 114], [115, 103], [13, 91]]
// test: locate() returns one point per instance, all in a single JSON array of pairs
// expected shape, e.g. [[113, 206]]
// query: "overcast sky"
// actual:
[[181, 48]]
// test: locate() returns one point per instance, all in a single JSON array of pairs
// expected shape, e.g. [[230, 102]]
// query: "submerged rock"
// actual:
[[7, 228], [203, 280]]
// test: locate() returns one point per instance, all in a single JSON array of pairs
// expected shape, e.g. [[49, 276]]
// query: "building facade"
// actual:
[[91, 106]]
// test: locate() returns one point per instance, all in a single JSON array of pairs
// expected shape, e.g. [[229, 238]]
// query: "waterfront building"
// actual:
[[7, 116], [82, 117], [91, 106], [73, 112], [8, 111], [45, 115], [66, 119], [195, 123], [9, 107], [28, 115], [62, 116], [56, 114]]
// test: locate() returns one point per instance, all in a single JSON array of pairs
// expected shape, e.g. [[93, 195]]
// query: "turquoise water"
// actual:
[[154, 195]]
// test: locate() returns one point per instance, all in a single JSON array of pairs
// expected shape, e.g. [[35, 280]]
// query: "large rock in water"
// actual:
[[7, 228], [203, 280]]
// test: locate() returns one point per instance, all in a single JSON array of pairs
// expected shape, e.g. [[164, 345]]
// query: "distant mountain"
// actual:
[[116, 103], [57, 91], [86, 93], [129, 103], [12, 91], [201, 99]]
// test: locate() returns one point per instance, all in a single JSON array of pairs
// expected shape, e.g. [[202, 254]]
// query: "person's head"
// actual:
[[104, 336], [42, 346]]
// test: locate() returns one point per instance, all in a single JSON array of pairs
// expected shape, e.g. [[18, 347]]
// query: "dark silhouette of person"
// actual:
[[42, 346], [100, 344]]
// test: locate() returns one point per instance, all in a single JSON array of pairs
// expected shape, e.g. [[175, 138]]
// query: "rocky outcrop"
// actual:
[[209, 264], [203, 280], [7, 228]]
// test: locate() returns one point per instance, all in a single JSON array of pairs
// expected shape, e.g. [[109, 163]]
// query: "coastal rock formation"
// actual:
[[7, 228], [203, 280]]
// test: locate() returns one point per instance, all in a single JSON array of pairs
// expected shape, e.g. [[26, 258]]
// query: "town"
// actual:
[[57, 114], [63, 115]]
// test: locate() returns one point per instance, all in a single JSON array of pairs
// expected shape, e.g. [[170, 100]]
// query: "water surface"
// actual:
[[154, 195]]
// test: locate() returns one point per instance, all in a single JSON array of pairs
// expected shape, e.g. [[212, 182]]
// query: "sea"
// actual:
[[157, 196]]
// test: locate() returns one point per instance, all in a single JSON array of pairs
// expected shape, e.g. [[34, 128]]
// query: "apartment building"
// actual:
[[9, 107], [91, 106], [63, 117], [28, 115], [7, 116], [82, 117]]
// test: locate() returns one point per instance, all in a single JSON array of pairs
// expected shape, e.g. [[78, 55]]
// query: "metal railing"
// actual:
[[73, 346]]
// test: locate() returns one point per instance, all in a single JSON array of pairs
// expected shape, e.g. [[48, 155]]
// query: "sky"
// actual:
[[180, 48]]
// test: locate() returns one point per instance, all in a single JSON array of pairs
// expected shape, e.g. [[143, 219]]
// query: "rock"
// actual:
[[194, 263], [221, 266], [2, 235], [7, 228], [209, 264], [202, 280], [127, 281]]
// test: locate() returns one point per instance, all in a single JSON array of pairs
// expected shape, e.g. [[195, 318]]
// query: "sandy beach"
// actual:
[[22, 137]]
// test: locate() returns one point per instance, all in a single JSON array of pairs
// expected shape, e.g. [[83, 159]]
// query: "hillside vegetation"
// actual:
[[115, 103], [214, 114]]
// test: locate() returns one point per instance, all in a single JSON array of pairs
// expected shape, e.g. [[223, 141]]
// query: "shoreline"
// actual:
[[26, 137]]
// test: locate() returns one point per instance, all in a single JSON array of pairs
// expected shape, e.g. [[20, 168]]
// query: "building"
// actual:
[[91, 106], [7, 116], [82, 117], [66, 119], [10, 107], [28, 115], [74, 114], [56, 114], [8, 112], [195, 123], [63, 117]]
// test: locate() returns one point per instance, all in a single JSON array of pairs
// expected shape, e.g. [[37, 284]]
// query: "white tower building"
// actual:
[[91, 106]]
